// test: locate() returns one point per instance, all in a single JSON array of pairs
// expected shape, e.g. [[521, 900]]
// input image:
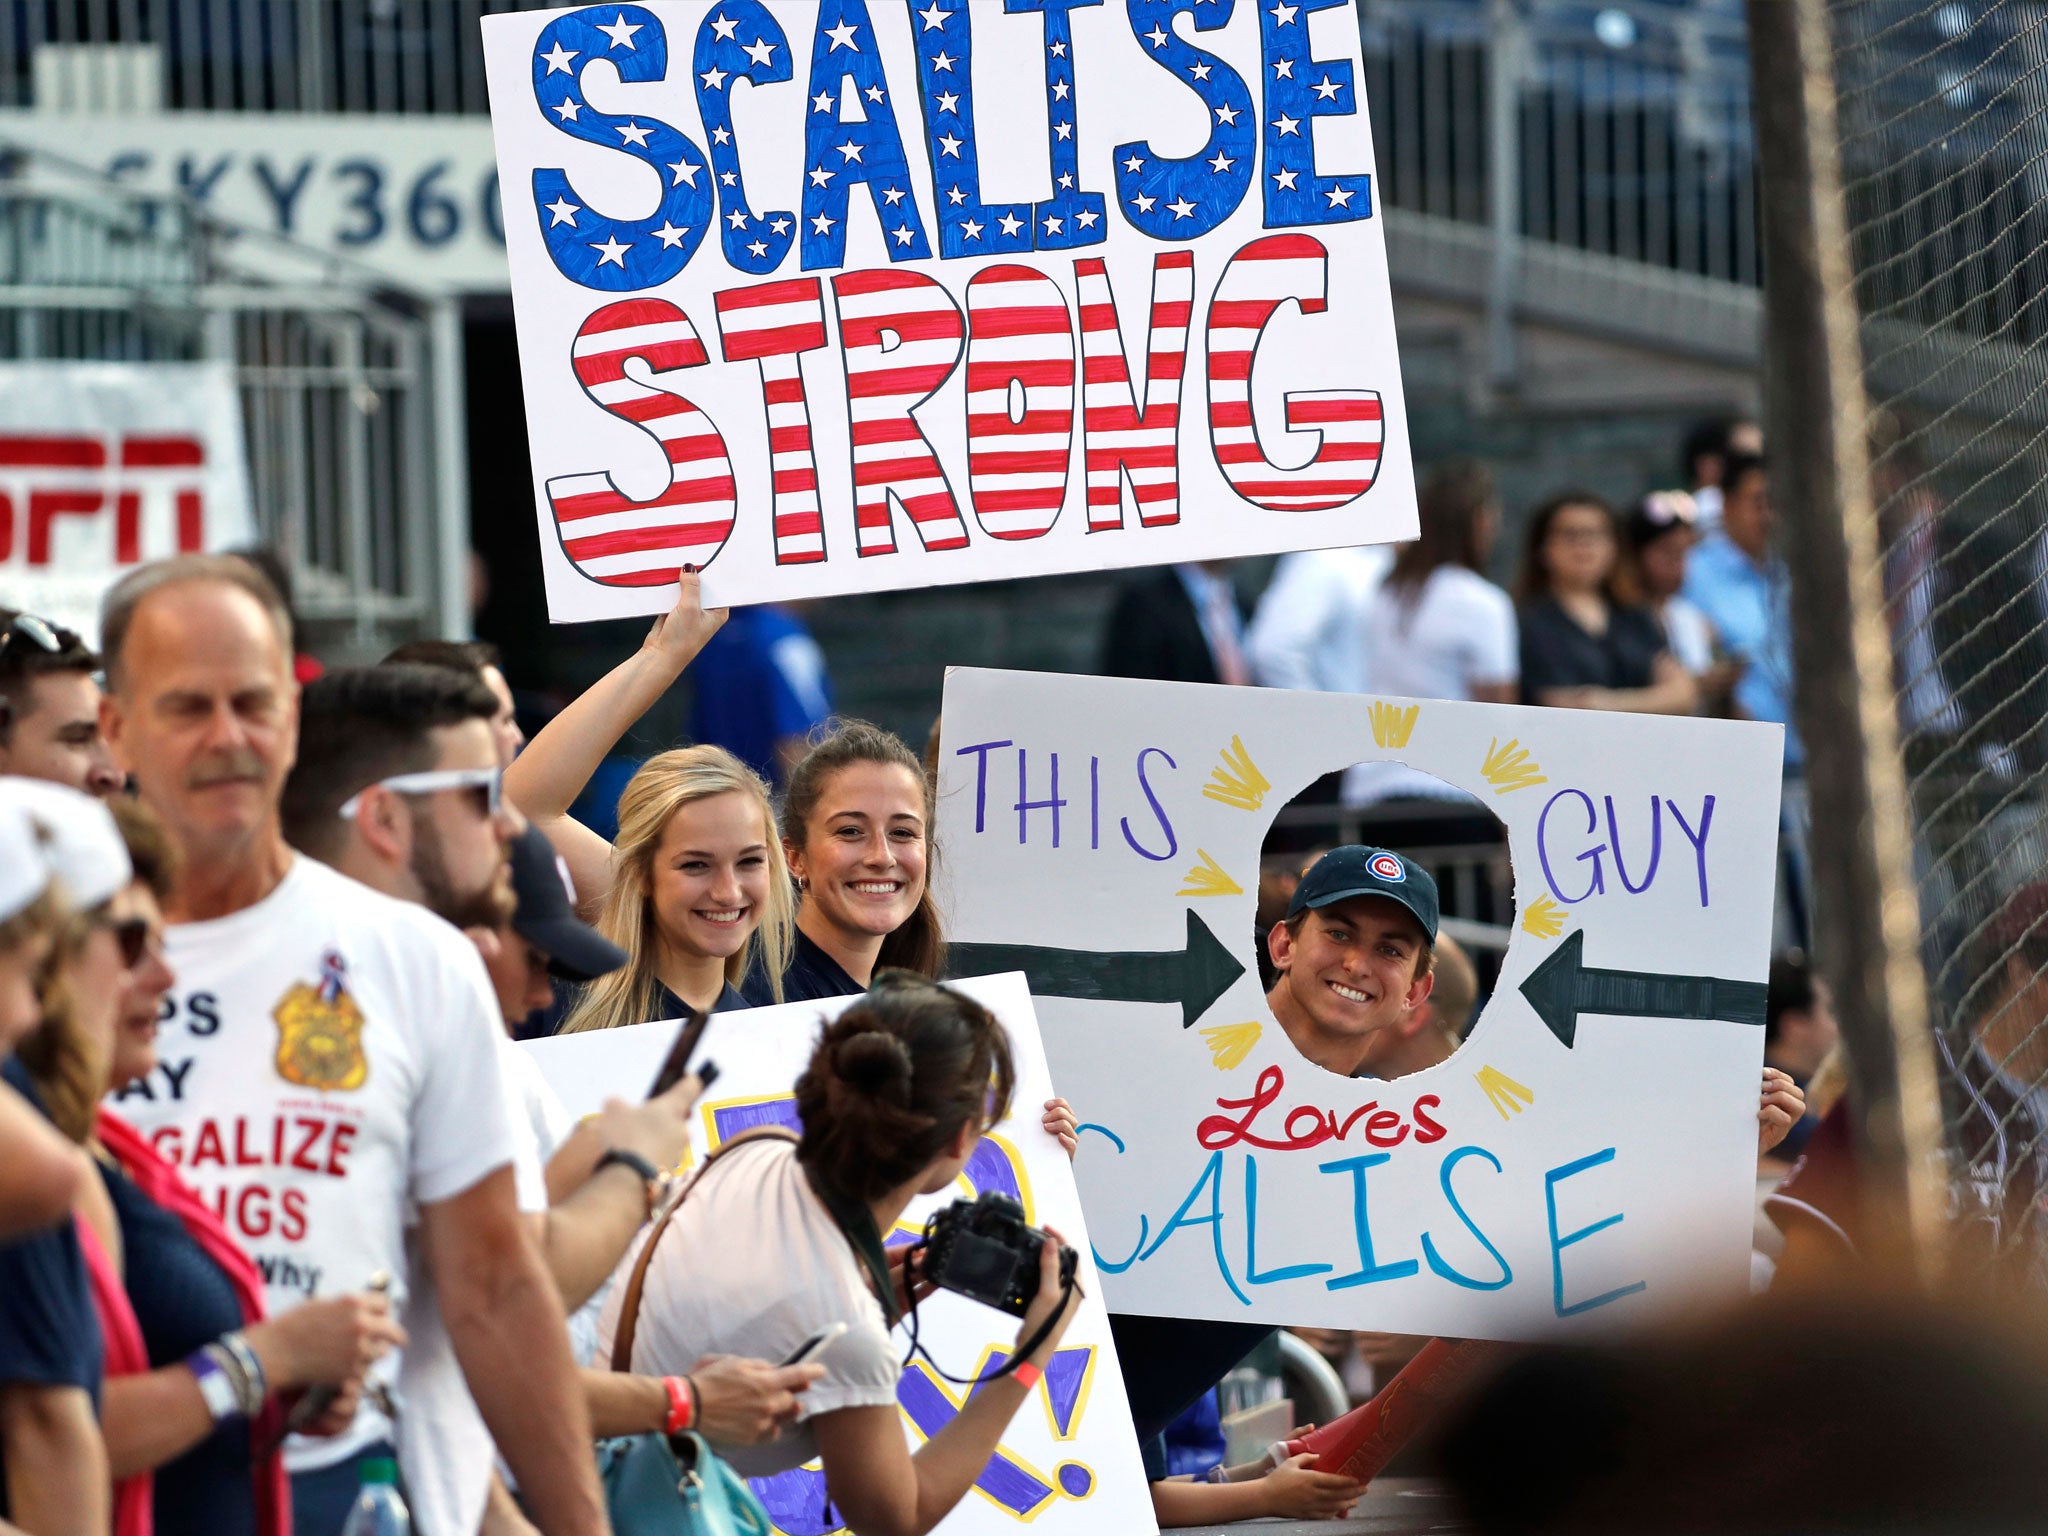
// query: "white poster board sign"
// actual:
[[106, 465], [1069, 1461], [1587, 1158], [940, 294]]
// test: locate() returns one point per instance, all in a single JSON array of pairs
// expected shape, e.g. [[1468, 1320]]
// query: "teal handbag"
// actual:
[[676, 1485], [673, 1485]]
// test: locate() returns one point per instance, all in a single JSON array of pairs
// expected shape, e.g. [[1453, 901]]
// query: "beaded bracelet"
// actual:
[[253, 1385]]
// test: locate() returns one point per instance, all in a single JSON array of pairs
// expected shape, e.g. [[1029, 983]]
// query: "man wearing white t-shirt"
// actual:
[[330, 1074], [368, 738]]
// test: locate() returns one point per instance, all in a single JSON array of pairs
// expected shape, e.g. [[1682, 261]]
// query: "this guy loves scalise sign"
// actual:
[[832, 295]]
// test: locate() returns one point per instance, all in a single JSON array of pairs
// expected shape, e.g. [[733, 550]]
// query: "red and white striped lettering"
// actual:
[[774, 324], [901, 335], [1260, 278], [1019, 333], [1128, 439], [608, 535]]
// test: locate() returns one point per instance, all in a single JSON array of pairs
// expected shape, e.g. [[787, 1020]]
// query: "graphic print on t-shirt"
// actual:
[[320, 1031]]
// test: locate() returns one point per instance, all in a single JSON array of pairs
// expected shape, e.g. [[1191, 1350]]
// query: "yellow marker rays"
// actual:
[[1505, 1094], [1208, 879], [1229, 1044], [1391, 724], [1510, 767], [1543, 918], [1236, 779]]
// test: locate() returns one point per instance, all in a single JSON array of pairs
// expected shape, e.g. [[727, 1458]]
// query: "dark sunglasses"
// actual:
[[133, 935]]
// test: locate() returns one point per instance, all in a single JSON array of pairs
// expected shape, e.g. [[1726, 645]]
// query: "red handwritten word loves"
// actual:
[[1307, 1126]]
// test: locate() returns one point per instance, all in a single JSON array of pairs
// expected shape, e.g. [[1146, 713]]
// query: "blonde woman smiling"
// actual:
[[696, 890]]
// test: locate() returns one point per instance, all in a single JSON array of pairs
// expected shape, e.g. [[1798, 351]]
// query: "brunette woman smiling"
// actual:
[[856, 829]]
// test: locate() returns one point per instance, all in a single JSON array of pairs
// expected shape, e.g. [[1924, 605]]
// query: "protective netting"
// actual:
[[1944, 137]]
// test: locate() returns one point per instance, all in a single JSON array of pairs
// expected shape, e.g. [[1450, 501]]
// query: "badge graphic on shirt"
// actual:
[[320, 1032]]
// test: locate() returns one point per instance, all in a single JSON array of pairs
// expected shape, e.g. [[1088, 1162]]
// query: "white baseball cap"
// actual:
[[24, 868], [80, 843]]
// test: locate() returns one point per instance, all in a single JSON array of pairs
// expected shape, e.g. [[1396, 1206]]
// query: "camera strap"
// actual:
[[856, 1224]]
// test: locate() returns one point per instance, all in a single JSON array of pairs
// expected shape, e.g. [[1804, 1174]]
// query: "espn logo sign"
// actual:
[[47, 479]]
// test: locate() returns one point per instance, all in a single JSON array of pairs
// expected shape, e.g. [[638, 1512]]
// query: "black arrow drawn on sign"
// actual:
[[1563, 987], [1194, 976]]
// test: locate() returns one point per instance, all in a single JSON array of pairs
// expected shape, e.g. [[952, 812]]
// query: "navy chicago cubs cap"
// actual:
[[1352, 870], [547, 918]]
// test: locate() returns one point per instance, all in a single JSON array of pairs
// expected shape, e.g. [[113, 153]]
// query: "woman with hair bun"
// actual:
[[900, 1088]]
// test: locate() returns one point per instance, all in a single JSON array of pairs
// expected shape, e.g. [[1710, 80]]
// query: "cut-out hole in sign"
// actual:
[[1351, 981]]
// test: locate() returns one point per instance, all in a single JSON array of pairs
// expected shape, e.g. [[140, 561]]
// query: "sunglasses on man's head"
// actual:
[[26, 628], [487, 784]]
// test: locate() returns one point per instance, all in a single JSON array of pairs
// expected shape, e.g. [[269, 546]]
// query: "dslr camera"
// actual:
[[985, 1249]]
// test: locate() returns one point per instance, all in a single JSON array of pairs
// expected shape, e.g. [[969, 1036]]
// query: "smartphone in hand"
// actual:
[[676, 1064], [815, 1345]]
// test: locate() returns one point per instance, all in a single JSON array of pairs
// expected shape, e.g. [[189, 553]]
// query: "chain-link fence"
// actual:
[[1940, 126], [1944, 133]]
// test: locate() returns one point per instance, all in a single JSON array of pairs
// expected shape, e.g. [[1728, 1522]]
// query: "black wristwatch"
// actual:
[[651, 1177]]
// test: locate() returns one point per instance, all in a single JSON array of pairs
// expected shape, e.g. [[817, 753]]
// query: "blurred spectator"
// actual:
[[479, 658], [278, 572], [1582, 648], [1431, 1032], [179, 1300], [1178, 624], [43, 1170], [1437, 628], [1309, 631], [1703, 461], [1743, 589], [1741, 586], [1919, 1420], [50, 707], [1656, 542], [1799, 1032], [761, 689], [1280, 872], [2001, 1078], [54, 1477]]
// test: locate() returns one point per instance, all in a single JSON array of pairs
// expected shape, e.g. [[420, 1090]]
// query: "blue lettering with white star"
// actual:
[[1297, 89], [740, 40], [944, 38], [850, 137], [1180, 199], [589, 247], [1070, 217]]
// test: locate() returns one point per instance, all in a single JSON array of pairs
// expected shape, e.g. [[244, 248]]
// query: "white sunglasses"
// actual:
[[490, 780]]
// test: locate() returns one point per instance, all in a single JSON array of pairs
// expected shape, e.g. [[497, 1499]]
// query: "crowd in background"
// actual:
[[280, 1202]]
